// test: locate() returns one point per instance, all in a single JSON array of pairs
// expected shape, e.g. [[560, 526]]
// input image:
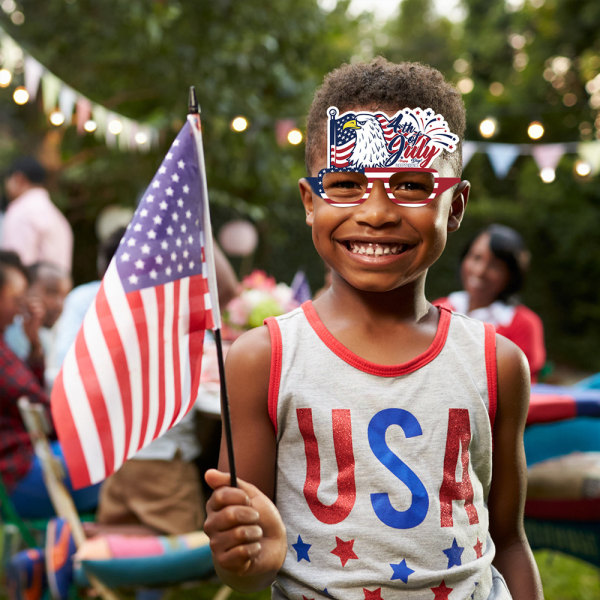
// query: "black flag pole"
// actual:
[[194, 109]]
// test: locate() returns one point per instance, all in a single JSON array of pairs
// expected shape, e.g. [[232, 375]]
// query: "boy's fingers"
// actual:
[[216, 479], [238, 559]]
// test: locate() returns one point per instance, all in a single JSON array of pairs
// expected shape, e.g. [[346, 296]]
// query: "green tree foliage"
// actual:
[[529, 62], [138, 57]]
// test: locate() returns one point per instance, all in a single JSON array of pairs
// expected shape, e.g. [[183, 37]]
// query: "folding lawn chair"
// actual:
[[562, 447], [177, 565], [17, 532]]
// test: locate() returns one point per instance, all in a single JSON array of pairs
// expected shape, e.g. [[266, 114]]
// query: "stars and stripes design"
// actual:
[[406, 133], [401, 571], [134, 369], [341, 141]]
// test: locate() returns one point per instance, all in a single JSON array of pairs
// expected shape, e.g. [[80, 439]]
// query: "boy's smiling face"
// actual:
[[379, 245]]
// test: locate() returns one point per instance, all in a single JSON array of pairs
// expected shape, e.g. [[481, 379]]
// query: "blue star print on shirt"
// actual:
[[301, 549]]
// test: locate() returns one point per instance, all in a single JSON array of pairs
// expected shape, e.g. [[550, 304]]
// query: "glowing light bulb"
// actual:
[[141, 138], [115, 127], [90, 125], [583, 168], [239, 124], [21, 95], [294, 137], [535, 130], [487, 127], [56, 118], [547, 174], [5, 77]]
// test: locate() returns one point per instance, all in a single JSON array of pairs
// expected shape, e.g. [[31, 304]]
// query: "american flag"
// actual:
[[342, 141], [134, 369]]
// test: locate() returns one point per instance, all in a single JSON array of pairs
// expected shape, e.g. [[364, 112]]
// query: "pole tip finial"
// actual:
[[192, 101]]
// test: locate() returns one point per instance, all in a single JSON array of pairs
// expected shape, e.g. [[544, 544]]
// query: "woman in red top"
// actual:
[[492, 272]]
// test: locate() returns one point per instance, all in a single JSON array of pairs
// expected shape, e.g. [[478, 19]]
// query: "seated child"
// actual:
[[363, 423]]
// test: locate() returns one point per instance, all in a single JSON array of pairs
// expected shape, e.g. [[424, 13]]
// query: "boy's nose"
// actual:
[[378, 209]]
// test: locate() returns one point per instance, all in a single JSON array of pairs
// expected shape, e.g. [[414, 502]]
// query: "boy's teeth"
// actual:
[[371, 249]]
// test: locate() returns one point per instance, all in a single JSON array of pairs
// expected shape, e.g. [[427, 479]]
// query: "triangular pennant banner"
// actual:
[[502, 157], [468, 149], [547, 156], [66, 102], [32, 75], [50, 90], [590, 152], [83, 113]]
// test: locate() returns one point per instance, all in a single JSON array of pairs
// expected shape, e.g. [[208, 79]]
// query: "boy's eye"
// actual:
[[416, 185], [344, 182]]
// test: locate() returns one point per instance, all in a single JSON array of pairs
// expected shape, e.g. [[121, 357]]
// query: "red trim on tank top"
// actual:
[[491, 370], [275, 370], [373, 368]]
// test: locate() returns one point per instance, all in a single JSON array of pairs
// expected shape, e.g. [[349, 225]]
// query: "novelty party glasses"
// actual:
[[404, 186]]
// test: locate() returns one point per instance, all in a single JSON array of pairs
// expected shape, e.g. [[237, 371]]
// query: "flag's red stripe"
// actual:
[[93, 391], [198, 317], [68, 435], [119, 360], [141, 326], [176, 357], [160, 309]]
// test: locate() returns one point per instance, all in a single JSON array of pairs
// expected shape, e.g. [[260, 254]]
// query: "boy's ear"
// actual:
[[459, 203], [306, 195]]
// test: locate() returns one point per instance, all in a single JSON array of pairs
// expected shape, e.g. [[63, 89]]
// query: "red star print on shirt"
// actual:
[[442, 592], [344, 550], [478, 547], [373, 595]]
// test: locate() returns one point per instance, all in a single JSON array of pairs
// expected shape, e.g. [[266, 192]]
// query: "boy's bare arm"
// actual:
[[514, 558], [248, 539]]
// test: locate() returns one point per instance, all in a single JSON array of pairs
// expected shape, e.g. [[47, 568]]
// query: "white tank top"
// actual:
[[383, 472]]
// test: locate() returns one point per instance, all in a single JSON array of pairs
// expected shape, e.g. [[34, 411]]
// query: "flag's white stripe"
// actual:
[[183, 337], [83, 418], [206, 226], [168, 357], [151, 310], [108, 383], [119, 307]]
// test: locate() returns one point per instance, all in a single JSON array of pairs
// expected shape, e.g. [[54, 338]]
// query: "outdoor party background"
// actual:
[[107, 86], [132, 62]]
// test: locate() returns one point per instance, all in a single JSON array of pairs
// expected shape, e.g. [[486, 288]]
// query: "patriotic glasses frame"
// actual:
[[384, 174]]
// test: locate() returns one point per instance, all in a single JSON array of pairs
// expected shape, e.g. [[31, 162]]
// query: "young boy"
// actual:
[[363, 423]]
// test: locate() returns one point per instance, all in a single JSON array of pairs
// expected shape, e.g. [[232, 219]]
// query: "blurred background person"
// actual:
[[492, 272], [33, 226], [48, 288], [20, 468]]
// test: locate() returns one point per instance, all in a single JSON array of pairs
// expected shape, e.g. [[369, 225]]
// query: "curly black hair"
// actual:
[[11, 260], [383, 85]]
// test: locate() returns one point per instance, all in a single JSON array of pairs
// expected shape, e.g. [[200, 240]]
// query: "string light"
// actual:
[[582, 168], [5, 78], [141, 138], [56, 118], [535, 130], [294, 137], [547, 174], [239, 124], [90, 125], [115, 127], [21, 96], [487, 127]]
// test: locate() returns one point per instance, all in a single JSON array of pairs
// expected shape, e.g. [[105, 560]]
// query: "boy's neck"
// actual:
[[407, 303]]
